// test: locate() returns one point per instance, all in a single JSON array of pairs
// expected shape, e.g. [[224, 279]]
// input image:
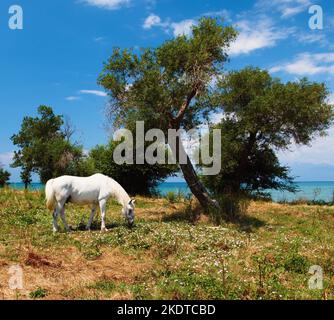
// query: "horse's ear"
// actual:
[[132, 201]]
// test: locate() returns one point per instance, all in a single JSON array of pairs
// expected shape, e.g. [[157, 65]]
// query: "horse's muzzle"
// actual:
[[130, 223]]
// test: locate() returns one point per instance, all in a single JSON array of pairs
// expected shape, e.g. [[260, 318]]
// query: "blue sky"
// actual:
[[56, 58]]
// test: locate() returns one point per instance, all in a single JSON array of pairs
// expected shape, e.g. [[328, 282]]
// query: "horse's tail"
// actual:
[[50, 195]]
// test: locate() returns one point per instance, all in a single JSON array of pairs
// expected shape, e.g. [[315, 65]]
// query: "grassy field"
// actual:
[[266, 254]]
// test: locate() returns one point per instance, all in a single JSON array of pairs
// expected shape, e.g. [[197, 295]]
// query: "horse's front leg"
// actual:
[[103, 205], [91, 218]]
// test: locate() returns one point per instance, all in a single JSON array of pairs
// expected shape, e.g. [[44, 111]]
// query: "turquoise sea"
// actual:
[[310, 190]]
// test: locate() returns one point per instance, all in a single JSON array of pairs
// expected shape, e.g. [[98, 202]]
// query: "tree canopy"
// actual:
[[261, 116], [163, 86], [4, 176], [44, 149]]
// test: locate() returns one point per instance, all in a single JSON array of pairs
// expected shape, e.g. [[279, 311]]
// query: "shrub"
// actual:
[[232, 206], [4, 176]]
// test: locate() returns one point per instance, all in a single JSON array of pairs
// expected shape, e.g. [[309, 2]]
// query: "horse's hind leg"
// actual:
[[55, 220], [91, 218], [63, 218]]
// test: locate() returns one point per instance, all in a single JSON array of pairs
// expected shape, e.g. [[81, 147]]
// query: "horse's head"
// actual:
[[129, 212]]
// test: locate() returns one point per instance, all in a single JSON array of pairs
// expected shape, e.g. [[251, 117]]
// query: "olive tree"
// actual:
[[163, 86]]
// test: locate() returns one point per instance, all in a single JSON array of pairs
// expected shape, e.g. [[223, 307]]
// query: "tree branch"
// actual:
[[177, 120]]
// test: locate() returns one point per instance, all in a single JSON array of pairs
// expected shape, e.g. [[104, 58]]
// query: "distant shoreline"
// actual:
[[308, 190], [297, 181]]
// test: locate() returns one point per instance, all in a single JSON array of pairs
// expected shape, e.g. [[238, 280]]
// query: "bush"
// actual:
[[4, 177], [232, 206]]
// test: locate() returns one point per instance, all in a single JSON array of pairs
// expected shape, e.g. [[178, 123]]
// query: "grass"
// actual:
[[265, 254]]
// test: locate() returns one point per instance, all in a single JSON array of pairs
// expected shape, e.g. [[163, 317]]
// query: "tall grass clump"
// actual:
[[171, 196], [174, 197]]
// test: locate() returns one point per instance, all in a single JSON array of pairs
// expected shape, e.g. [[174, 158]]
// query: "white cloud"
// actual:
[[101, 40], [6, 158], [221, 13], [177, 28], [94, 92], [286, 8], [254, 36], [308, 64], [152, 21], [318, 153], [107, 4], [183, 27], [292, 11], [331, 99], [72, 98], [312, 37]]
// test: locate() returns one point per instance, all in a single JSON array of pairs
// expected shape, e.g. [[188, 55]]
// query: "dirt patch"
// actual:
[[37, 261]]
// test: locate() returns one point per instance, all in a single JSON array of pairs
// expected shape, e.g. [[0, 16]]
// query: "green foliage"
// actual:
[[155, 84], [26, 176], [261, 116], [44, 149], [136, 179], [296, 263], [171, 196], [176, 196], [164, 86], [39, 293], [4, 176]]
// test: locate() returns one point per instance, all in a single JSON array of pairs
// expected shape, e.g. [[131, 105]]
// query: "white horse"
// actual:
[[94, 190]]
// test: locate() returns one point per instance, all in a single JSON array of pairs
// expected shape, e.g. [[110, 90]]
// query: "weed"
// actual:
[[103, 285], [171, 196], [39, 293]]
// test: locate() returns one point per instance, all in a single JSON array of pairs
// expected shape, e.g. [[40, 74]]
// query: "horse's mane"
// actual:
[[119, 192]]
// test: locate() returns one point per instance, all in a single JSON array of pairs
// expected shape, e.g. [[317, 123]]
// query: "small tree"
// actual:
[[43, 147], [136, 179], [26, 176], [4, 176], [261, 116], [164, 86]]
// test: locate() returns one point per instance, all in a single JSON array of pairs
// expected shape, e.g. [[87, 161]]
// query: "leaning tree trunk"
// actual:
[[191, 177]]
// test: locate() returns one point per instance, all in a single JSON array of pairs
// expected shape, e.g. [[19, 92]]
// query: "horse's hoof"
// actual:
[[104, 230]]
